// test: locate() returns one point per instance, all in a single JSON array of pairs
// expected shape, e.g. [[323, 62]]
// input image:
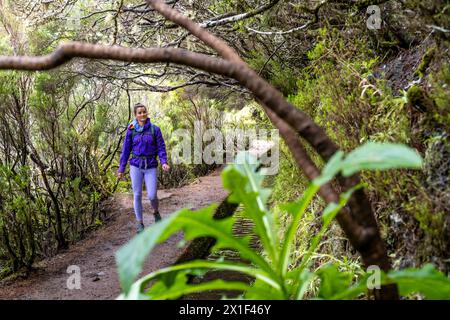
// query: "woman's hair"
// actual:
[[137, 106]]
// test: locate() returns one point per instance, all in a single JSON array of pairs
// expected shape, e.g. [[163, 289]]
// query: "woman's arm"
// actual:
[[162, 153], [126, 150]]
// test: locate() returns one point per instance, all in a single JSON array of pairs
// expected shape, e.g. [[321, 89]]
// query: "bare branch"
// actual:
[[196, 30], [116, 26], [239, 17], [245, 76], [314, 11], [270, 33]]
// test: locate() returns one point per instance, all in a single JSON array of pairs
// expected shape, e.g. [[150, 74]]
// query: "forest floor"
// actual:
[[94, 255]]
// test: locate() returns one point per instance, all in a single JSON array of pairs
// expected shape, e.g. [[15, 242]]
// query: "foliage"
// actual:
[[44, 121], [364, 96], [273, 278], [333, 70]]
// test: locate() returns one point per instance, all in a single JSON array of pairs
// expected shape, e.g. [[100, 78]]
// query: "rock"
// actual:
[[164, 194]]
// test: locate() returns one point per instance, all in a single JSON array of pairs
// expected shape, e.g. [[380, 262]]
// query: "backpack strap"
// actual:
[[152, 131]]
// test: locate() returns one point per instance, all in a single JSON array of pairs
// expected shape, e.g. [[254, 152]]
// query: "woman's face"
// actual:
[[141, 114]]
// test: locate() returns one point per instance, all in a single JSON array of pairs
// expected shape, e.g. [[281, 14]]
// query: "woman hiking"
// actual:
[[144, 142]]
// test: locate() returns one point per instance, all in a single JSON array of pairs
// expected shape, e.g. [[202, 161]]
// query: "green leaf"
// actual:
[[198, 267], [333, 281], [245, 185], [351, 292], [160, 292], [330, 212], [260, 290], [427, 280], [331, 169], [200, 223], [380, 156], [130, 258], [248, 166], [370, 156], [299, 280], [297, 209]]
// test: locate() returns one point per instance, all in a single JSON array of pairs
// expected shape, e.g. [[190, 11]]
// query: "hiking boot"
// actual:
[[157, 216], [139, 227]]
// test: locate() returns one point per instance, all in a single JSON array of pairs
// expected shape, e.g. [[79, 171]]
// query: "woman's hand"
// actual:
[[166, 167], [120, 175]]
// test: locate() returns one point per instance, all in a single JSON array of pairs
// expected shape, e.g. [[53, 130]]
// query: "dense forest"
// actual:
[[361, 71]]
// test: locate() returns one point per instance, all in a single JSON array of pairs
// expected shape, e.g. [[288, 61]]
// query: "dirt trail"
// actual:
[[95, 254]]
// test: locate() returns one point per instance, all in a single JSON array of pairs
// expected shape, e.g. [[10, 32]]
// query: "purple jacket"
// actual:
[[143, 148]]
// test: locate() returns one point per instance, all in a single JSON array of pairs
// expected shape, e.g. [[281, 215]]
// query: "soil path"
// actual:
[[95, 254]]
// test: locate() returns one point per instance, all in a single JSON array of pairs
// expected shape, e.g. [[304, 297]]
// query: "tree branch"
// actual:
[[270, 33], [239, 17], [368, 242]]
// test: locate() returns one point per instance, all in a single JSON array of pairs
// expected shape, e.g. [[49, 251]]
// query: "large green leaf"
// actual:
[[170, 278], [180, 287], [380, 156], [331, 169], [297, 209], [427, 280], [260, 290], [130, 258], [200, 223], [332, 281], [370, 156], [244, 182]]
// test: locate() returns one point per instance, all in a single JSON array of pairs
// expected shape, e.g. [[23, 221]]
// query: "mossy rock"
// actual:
[[419, 99], [425, 63]]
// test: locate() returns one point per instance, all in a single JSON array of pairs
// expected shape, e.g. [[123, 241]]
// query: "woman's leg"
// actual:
[[136, 182], [151, 182]]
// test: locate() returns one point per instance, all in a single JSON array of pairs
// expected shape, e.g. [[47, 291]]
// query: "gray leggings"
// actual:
[[138, 176]]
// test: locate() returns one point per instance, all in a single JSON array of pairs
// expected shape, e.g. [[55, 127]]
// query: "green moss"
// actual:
[[429, 221], [388, 44], [5, 271], [425, 63], [440, 94], [277, 73], [344, 93], [316, 52], [441, 18], [414, 94], [419, 99], [290, 183]]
